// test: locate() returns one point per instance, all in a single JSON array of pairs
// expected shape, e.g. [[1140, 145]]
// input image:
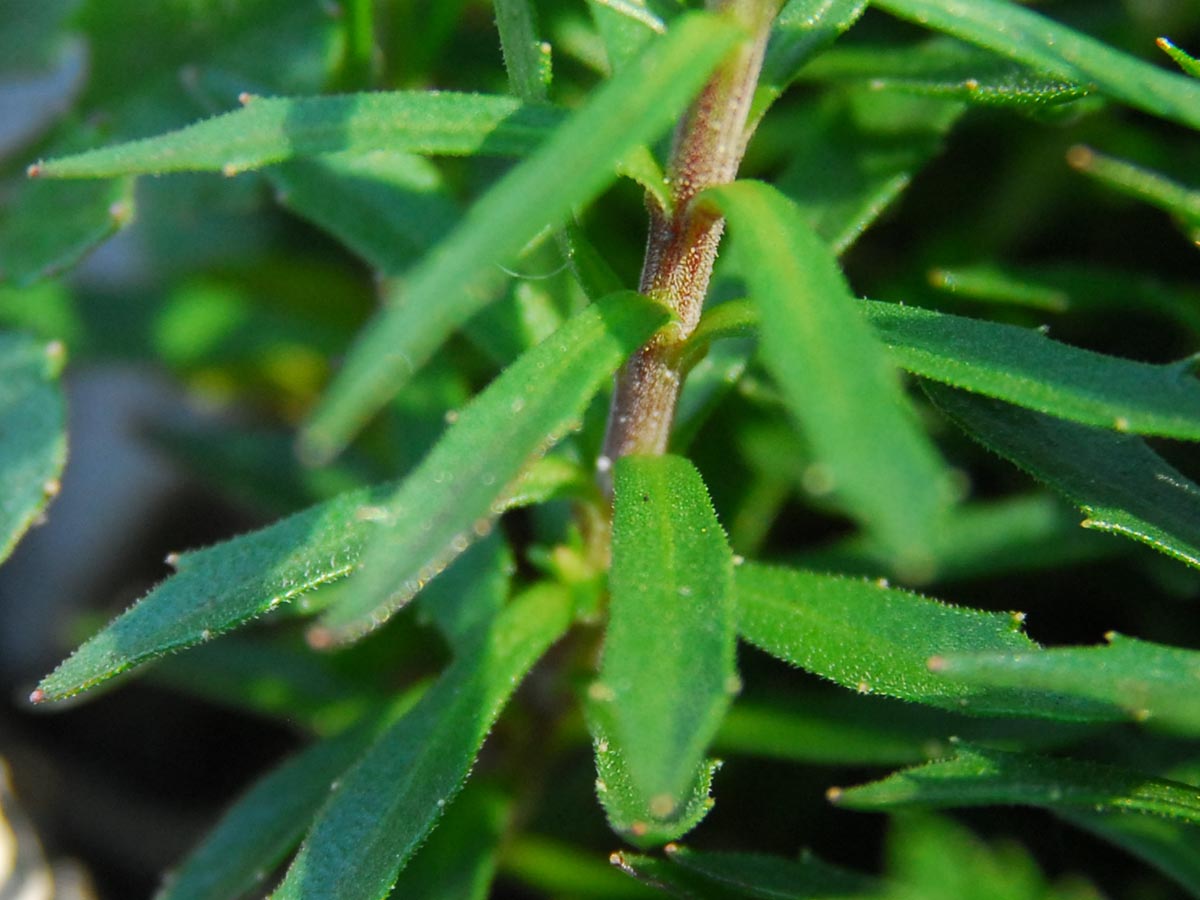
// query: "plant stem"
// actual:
[[682, 243]]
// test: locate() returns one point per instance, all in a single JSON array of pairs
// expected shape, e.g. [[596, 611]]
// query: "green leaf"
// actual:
[[568, 170], [755, 875], [1148, 682], [875, 639], [1184, 60], [854, 152], [387, 207], [1141, 183], [275, 129], [471, 592], [626, 26], [668, 668], [470, 835], [559, 869], [223, 586], [258, 831], [1057, 50], [1122, 485], [945, 68], [452, 496], [526, 57], [1171, 847], [977, 776], [840, 388], [624, 801], [1024, 367], [382, 808], [33, 445]]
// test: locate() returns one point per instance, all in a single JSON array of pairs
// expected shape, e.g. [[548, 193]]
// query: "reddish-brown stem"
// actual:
[[682, 242]]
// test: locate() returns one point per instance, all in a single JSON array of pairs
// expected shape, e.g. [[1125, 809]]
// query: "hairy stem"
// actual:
[[682, 243]]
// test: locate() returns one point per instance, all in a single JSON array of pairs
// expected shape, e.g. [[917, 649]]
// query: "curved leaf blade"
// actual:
[[271, 130], [33, 445], [978, 776], [385, 805], [875, 639], [1122, 485], [1145, 681], [840, 388], [453, 495], [568, 170], [1055, 49], [1023, 366], [668, 665]]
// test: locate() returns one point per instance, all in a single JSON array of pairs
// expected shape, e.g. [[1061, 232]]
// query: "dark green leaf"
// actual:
[[560, 869], [275, 129], [1057, 50], [382, 808], [268, 821], [33, 446], [875, 639], [1121, 484], [568, 170], [451, 498], [977, 776], [1172, 847], [753, 875], [668, 669], [1148, 682], [842, 391]]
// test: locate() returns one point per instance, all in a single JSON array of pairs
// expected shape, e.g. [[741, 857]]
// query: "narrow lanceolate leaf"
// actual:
[[668, 667], [1148, 682], [1136, 181], [33, 444], [1122, 485], [876, 639], [840, 387], [381, 809], [453, 495], [274, 129], [269, 820], [526, 58], [1024, 367], [977, 776], [1055, 49], [755, 875], [568, 170], [221, 587], [1182, 58], [1172, 847]]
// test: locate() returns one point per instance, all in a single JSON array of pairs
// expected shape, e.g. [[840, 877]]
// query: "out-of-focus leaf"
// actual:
[[979, 776], [568, 170], [275, 129], [258, 831], [625, 803], [982, 540], [840, 388], [470, 593], [853, 152], [1045, 45], [945, 68], [672, 624], [1183, 203], [561, 869], [1148, 682], [1024, 367], [32, 32], [875, 639], [1121, 484], [33, 445], [451, 498], [387, 207], [626, 26], [385, 805], [1171, 847]]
